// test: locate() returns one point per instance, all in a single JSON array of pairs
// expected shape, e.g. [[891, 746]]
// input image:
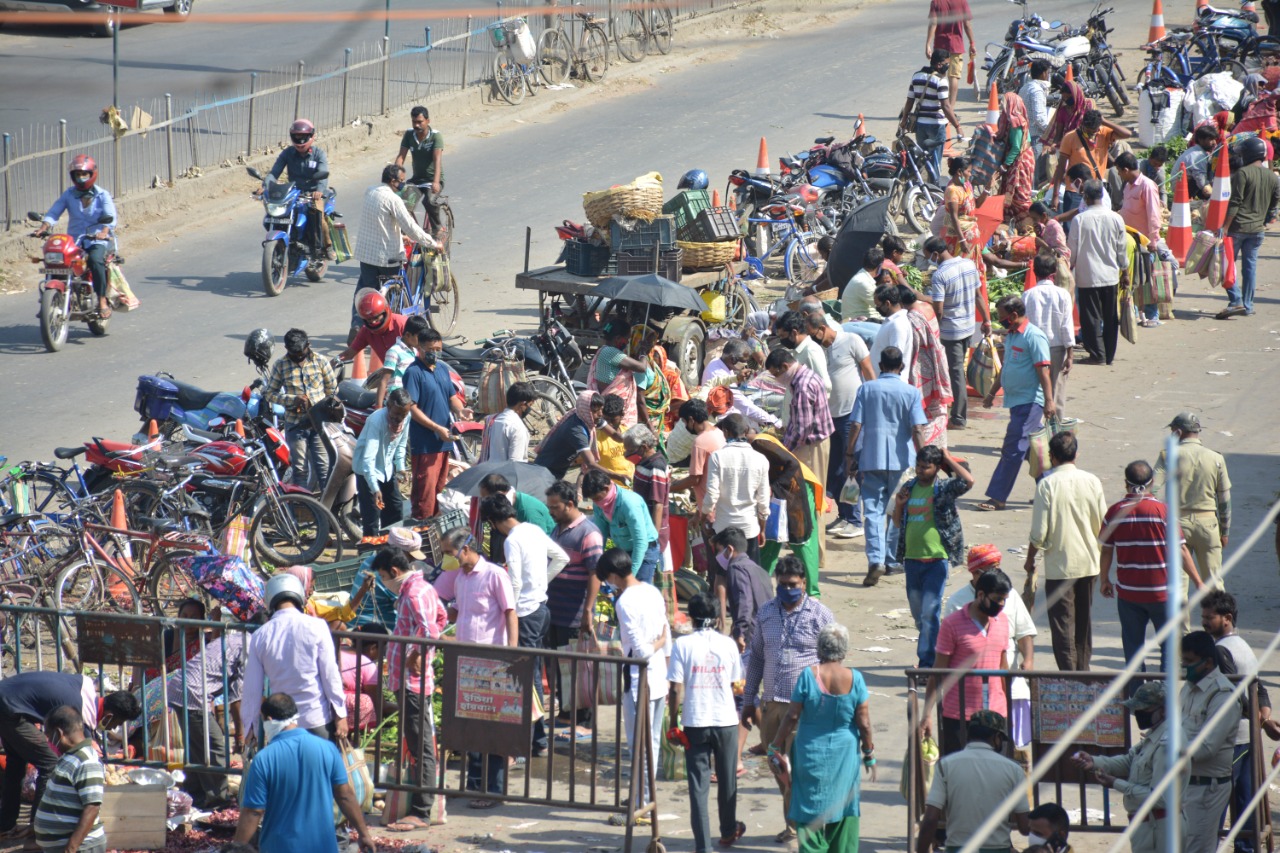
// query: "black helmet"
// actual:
[[258, 348], [1251, 149], [694, 179]]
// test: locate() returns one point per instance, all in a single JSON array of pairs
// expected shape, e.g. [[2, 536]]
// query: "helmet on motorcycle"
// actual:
[[301, 133], [258, 348], [282, 587], [83, 165], [1252, 149], [694, 179], [373, 310]]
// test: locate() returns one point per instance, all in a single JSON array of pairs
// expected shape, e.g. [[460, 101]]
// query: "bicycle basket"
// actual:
[[498, 33]]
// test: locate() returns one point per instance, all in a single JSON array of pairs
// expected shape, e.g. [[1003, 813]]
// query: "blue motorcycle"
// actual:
[[286, 250], [172, 404]]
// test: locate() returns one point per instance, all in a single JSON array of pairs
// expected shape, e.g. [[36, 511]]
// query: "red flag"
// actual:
[[1228, 263]]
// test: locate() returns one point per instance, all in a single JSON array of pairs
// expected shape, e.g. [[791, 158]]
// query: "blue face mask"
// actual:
[[790, 595]]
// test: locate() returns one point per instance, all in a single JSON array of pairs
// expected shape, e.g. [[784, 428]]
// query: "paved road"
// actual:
[[54, 72]]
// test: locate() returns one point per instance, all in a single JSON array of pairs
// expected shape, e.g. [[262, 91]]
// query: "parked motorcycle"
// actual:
[[285, 251], [66, 289], [171, 404], [917, 189], [1100, 72]]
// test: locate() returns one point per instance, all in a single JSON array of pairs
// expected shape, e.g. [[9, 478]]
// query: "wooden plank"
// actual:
[[557, 280], [133, 816]]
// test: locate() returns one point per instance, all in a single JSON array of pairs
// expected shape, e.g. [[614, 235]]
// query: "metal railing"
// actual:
[[251, 118]]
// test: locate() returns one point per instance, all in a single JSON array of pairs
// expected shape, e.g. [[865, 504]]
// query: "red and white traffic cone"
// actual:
[[1157, 23], [1216, 215], [993, 107], [1180, 234], [762, 161]]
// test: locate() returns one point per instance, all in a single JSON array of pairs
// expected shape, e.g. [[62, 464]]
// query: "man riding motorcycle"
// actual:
[[85, 203], [304, 160]]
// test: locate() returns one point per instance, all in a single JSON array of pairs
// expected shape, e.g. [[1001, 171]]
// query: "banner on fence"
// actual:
[[111, 642], [488, 703], [1060, 703]]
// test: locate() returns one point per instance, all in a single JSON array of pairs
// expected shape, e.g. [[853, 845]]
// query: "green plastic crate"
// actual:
[[336, 577], [685, 207]]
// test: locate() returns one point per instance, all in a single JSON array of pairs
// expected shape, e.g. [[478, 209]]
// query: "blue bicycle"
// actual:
[[1182, 57], [777, 236], [424, 285]]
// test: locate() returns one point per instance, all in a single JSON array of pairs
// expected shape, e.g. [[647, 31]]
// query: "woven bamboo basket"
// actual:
[[633, 202], [699, 256], [829, 294]]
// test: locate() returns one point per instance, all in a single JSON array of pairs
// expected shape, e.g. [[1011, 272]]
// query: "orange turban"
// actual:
[[983, 557], [720, 400]]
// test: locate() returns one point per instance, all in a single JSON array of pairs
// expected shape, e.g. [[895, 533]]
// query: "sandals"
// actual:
[[991, 506], [739, 830], [786, 836], [408, 823], [482, 804]]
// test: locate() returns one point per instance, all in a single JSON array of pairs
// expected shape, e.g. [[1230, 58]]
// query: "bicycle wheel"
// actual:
[[508, 79], [469, 446], [293, 529], [630, 35], [663, 29], [397, 298], [553, 389], [545, 412], [802, 258], [595, 54], [554, 57], [442, 299], [86, 586], [171, 584]]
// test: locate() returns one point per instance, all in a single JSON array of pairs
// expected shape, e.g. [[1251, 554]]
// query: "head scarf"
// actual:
[[983, 557], [1013, 115], [1065, 120], [719, 401], [581, 411]]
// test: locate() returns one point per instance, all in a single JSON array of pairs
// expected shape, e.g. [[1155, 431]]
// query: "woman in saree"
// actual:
[[1018, 175], [615, 372], [960, 224], [666, 392], [928, 371], [1071, 109]]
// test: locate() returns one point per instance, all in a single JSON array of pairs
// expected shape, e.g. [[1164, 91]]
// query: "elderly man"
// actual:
[[953, 290], [808, 417], [1066, 518], [886, 428], [737, 485], [784, 645], [1204, 497], [1100, 261], [1028, 395], [727, 369], [1204, 694], [1136, 773]]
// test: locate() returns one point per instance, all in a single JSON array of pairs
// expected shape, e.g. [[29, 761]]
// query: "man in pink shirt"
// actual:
[[976, 637], [1141, 211], [419, 613], [706, 440], [484, 611]]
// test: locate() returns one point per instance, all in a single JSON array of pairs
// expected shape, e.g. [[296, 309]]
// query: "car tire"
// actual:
[[106, 28], [180, 8]]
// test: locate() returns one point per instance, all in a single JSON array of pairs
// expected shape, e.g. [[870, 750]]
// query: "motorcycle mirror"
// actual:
[[1053, 25], [33, 216], [254, 173], [869, 140], [106, 219], [320, 176]]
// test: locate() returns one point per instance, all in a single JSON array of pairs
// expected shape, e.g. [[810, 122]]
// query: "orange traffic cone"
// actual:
[[715, 198], [1180, 234], [948, 149], [1216, 215], [733, 204], [375, 363], [358, 370], [762, 161], [239, 427], [1157, 23], [860, 124], [153, 431], [1030, 281], [1070, 76], [119, 518], [993, 106]]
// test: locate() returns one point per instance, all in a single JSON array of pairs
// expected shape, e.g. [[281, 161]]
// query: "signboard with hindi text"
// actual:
[[1058, 703], [488, 700]]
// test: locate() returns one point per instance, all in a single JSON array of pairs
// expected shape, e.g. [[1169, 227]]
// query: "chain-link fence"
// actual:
[[371, 79]]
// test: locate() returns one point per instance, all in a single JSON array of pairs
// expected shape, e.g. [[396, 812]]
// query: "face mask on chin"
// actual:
[[394, 584], [271, 728]]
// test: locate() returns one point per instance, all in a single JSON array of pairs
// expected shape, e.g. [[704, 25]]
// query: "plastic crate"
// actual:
[[685, 207], [712, 225], [336, 577], [583, 258], [638, 234], [641, 263]]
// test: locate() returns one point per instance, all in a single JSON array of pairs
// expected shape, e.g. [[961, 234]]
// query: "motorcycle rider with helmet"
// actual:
[[303, 160], [694, 179], [85, 203]]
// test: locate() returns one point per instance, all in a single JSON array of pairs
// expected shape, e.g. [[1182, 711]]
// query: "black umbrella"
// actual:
[[862, 229], [523, 477], [651, 289]]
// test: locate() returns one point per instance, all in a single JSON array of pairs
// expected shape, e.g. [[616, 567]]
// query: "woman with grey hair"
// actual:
[[652, 482], [832, 722]]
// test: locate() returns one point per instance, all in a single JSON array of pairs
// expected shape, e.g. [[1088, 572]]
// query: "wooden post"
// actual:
[[297, 97], [386, 66], [62, 143], [466, 53], [8, 210]]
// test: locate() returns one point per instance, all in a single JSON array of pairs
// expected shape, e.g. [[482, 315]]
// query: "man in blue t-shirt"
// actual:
[[291, 787], [1028, 395], [430, 385]]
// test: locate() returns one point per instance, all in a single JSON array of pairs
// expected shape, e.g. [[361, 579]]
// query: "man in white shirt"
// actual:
[[858, 297], [849, 365], [954, 289], [505, 435], [532, 560], [1049, 310], [794, 335], [1035, 95], [896, 329], [724, 371], [379, 241], [1100, 261], [642, 624], [737, 482]]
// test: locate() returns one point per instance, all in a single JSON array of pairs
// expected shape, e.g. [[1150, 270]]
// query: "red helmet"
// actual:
[[83, 163], [301, 133], [373, 307]]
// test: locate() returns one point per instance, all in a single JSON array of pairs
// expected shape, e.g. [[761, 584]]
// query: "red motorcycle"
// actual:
[[66, 292]]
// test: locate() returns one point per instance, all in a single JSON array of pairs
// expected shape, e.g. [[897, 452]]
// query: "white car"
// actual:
[[177, 8]]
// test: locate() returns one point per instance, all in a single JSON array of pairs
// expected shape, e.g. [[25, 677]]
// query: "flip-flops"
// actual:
[[482, 804], [990, 506]]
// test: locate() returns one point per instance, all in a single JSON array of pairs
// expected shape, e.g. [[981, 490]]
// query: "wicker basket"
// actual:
[[632, 202], [830, 293], [699, 256]]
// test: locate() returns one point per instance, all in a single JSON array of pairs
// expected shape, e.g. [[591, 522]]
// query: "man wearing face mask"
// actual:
[[784, 644], [435, 406], [895, 331], [1209, 789], [1050, 828], [379, 464], [1136, 773], [295, 382], [621, 515], [953, 290]]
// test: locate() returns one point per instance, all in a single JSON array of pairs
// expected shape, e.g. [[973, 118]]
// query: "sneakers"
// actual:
[[1230, 311], [873, 575], [836, 525], [848, 530]]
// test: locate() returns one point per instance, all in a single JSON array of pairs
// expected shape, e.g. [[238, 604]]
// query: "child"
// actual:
[[67, 817], [400, 356], [1153, 166], [613, 454]]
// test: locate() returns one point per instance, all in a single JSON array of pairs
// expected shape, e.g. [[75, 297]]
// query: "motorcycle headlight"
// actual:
[[53, 257], [276, 210]]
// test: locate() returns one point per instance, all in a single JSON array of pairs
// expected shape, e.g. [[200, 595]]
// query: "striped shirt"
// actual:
[[77, 781], [784, 644], [567, 591], [652, 482], [930, 90], [1135, 527], [419, 613], [809, 414]]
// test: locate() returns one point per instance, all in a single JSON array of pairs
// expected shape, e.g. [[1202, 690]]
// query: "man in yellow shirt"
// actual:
[[1065, 522]]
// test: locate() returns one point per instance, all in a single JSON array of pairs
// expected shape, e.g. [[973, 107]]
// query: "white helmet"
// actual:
[[285, 585]]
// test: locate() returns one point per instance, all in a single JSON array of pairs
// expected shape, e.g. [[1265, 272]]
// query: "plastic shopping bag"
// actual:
[[851, 491], [775, 529], [984, 367], [1038, 447]]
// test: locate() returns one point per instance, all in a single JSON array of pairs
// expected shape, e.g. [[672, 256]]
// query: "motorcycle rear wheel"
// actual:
[[275, 267], [293, 530], [53, 322]]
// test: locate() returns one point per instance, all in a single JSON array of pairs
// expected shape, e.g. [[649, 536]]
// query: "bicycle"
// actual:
[[412, 193], [635, 31], [515, 66], [424, 285], [798, 249], [1182, 57], [560, 56]]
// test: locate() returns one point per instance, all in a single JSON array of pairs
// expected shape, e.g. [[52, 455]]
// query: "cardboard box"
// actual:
[[134, 816]]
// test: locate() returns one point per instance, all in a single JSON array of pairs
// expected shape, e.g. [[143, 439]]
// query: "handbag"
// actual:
[[775, 529], [1038, 443], [119, 292], [495, 378], [358, 775], [984, 367], [1128, 322], [1200, 255]]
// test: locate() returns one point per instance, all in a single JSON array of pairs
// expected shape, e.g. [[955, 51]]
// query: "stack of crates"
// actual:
[[640, 247]]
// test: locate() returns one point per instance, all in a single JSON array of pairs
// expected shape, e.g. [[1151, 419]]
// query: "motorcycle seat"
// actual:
[[354, 395], [191, 398], [68, 452], [464, 353]]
